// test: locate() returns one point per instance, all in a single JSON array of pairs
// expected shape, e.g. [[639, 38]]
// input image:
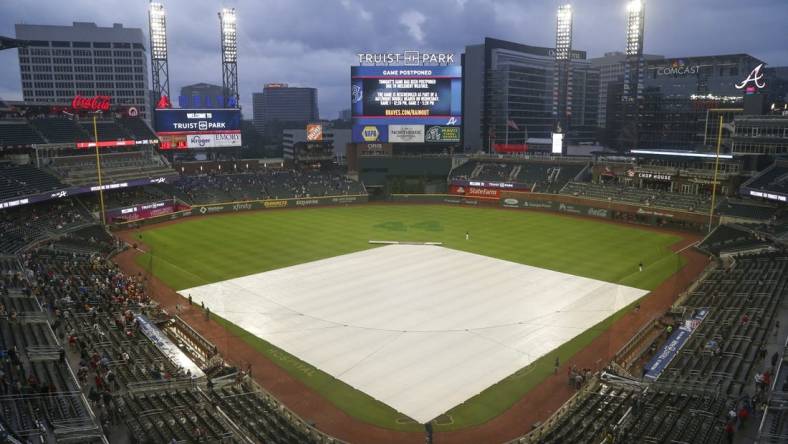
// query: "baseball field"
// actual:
[[212, 249]]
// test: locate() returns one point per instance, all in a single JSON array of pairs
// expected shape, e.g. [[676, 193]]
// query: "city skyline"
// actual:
[[279, 42]]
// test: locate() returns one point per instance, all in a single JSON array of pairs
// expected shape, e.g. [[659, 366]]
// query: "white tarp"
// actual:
[[167, 347], [420, 328]]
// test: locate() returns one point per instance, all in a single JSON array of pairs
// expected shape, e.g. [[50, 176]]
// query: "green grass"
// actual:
[[206, 250]]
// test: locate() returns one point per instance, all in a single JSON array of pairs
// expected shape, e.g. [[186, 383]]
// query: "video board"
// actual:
[[169, 121], [198, 128], [406, 104]]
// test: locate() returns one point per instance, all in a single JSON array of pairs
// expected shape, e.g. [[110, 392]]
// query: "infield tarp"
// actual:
[[420, 328]]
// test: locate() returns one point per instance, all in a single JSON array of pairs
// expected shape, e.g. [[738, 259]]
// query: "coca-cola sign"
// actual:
[[96, 103]]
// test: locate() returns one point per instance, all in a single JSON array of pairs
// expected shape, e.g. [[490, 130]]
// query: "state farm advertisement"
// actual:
[[483, 193], [213, 140]]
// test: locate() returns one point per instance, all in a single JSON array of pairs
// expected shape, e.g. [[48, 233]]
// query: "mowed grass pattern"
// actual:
[[205, 250], [211, 249]]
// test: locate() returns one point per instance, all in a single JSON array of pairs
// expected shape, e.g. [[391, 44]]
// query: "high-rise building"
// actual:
[[683, 99], [507, 83], [345, 115], [202, 95], [611, 69], [87, 60], [284, 104]]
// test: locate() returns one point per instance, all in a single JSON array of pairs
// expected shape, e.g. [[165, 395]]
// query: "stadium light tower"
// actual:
[[633, 86], [227, 22], [562, 77], [157, 21], [634, 66]]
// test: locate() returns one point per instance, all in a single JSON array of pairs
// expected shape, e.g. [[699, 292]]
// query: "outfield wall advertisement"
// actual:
[[270, 204], [143, 211]]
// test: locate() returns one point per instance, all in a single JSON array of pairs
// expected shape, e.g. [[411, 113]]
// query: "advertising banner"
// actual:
[[314, 132], [370, 133], [406, 133], [213, 140], [475, 192], [143, 211], [580, 210], [489, 184], [665, 355], [73, 191], [442, 134], [204, 121], [510, 147], [403, 95]]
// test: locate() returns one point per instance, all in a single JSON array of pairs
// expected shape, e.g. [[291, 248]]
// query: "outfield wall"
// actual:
[[249, 205], [571, 205], [514, 200]]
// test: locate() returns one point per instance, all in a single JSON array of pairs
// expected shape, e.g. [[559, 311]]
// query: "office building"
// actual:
[[87, 60], [508, 95], [611, 69], [202, 95], [284, 104]]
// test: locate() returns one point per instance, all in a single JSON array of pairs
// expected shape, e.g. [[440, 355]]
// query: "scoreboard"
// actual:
[[406, 104]]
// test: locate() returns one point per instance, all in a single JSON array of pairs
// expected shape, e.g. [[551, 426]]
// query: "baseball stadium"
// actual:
[[447, 263]]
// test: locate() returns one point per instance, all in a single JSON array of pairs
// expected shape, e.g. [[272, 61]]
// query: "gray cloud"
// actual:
[[313, 42]]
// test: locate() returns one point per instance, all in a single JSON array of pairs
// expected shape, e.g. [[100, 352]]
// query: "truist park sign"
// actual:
[[406, 58]]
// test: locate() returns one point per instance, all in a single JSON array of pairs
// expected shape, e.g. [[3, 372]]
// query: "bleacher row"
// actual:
[[539, 176], [39, 396], [115, 167], [775, 178], [271, 184], [62, 307], [63, 130], [689, 402], [21, 180], [25, 225], [638, 196]]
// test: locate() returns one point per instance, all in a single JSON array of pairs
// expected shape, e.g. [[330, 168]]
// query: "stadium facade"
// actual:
[[86, 60], [508, 94], [682, 101]]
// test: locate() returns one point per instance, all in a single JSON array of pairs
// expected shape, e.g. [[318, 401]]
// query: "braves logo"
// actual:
[[357, 93], [756, 77]]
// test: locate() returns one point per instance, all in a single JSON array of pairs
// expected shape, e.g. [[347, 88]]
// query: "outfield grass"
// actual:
[[206, 250]]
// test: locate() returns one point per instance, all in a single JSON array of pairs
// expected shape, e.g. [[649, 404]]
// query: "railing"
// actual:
[[627, 348], [682, 297], [159, 385], [548, 425]]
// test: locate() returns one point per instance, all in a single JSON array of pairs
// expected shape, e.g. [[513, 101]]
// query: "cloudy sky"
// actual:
[[313, 42]]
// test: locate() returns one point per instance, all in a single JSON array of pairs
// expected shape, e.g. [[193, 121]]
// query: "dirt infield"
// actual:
[[537, 405]]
